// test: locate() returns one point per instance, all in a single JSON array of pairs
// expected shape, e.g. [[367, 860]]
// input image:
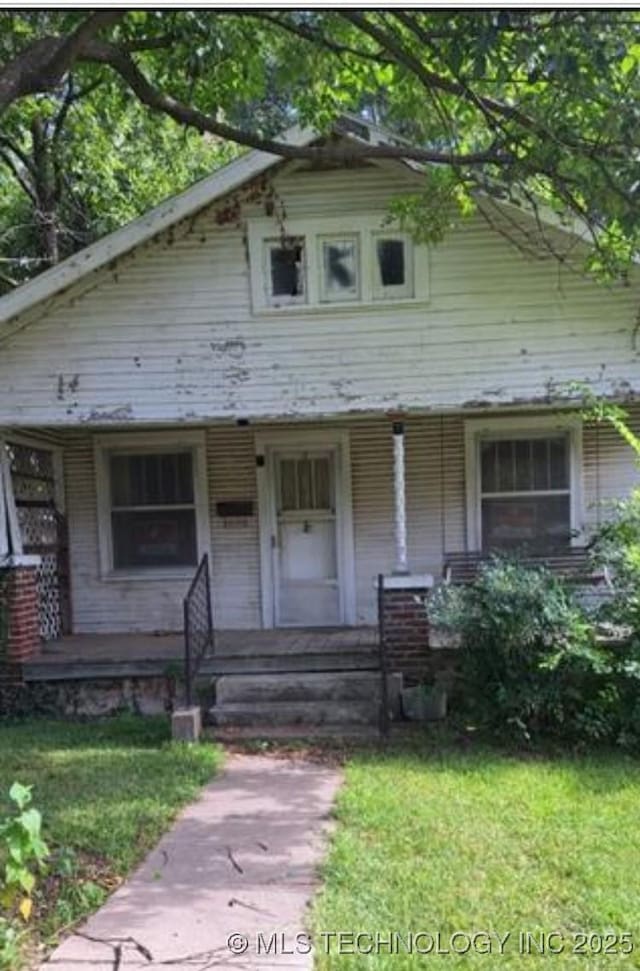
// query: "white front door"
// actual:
[[305, 547]]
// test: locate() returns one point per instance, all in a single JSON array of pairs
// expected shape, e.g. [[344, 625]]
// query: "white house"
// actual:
[[266, 369]]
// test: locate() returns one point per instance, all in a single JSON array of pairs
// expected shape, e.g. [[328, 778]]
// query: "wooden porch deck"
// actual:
[[83, 656]]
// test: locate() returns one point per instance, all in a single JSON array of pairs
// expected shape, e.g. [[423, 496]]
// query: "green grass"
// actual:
[[439, 839], [106, 790]]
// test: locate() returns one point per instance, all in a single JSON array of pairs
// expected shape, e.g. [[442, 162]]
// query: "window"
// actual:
[[305, 483], [152, 503], [392, 269], [525, 493], [346, 260], [340, 269], [523, 488], [285, 276]]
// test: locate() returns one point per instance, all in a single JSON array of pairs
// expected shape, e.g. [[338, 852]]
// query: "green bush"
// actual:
[[530, 662], [616, 548]]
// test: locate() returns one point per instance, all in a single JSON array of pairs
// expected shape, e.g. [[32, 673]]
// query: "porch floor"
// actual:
[[123, 655]]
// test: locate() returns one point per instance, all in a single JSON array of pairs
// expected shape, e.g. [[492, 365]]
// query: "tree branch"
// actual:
[[43, 64], [121, 62]]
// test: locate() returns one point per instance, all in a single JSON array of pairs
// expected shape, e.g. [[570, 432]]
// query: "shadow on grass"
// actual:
[[454, 747]]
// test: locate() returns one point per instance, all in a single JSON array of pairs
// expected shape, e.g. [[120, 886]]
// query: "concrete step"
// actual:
[[293, 733], [351, 660], [267, 714], [300, 686]]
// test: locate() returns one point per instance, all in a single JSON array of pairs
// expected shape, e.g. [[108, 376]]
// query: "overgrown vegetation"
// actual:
[[616, 545], [531, 661], [107, 790]]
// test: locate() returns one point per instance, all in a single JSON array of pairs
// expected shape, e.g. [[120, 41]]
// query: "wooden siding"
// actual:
[[436, 518], [167, 334]]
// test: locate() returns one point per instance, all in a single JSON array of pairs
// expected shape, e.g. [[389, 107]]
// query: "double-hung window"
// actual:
[[151, 504], [523, 486]]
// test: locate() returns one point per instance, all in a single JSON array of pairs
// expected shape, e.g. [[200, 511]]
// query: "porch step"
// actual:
[[353, 659], [304, 700], [268, 714], [301, 686], [293, 733]]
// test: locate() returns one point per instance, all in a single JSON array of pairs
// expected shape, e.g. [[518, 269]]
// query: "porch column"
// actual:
[[399, 499]]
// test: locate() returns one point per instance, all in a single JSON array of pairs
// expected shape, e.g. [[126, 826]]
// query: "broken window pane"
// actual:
[[286, 268], [340, 269], [390, 255]]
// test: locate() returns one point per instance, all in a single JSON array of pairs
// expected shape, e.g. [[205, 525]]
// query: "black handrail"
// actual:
[[198, 626], [385, 720]]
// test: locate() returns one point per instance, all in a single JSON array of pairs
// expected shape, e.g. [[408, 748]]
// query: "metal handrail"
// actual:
[[384, 721], [198, 626]]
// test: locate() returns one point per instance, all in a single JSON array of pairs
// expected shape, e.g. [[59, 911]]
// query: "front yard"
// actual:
[[106, 790], [461, 838]]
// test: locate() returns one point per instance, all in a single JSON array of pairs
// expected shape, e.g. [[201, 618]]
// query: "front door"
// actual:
[[305, 547]]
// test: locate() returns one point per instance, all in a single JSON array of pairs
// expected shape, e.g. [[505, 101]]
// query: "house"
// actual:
[[266, 370]]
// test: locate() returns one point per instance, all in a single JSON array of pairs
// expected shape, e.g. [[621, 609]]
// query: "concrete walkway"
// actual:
[[242, 861]]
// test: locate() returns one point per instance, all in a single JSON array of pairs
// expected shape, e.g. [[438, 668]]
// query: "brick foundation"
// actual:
[[406, 630], [21, 622]]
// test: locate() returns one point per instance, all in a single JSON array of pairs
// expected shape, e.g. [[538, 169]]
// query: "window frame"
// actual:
[[391, 292], [283, 300], [323, 289], [369, 228], [477, 430], [139, 443]]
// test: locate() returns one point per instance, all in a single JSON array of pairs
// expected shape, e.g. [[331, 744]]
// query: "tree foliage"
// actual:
[[538, 105]]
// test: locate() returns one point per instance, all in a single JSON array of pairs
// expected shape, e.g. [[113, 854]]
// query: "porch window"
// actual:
[[524, 483], [153, 512], [525, 493]]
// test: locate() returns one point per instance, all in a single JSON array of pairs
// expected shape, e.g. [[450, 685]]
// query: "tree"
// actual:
[[540, 105], [82, 162]]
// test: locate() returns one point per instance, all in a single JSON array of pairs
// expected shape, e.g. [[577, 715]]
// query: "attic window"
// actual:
[[340, 269], [392, 268], [325, 262], [285, 270]]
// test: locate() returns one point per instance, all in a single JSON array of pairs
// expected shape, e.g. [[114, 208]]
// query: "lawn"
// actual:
[[106, 791], [444, 839]]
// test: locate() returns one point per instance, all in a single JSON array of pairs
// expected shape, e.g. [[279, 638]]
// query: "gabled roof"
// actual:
[[172, 210], [139, 230], [178, 207]]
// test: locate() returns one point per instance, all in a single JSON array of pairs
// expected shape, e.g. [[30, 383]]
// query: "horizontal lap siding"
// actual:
[[167, 333], [435, 483]]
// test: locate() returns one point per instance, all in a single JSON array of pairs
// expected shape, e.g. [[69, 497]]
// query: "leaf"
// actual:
[[20, 794], [31, 821], [25, 908]]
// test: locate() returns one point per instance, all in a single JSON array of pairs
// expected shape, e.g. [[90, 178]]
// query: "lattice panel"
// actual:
[[28, 488], [49, 597], [33, 462], [43, 532], [38, 525]]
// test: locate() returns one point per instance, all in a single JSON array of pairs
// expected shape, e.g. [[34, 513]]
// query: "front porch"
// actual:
[[95, 656]]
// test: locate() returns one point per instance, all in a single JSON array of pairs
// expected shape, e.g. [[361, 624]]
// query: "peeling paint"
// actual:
[[234, 347], [121, 413]]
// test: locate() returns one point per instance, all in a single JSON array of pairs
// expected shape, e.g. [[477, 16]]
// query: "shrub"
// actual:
[[530, 662], [616, 548]]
